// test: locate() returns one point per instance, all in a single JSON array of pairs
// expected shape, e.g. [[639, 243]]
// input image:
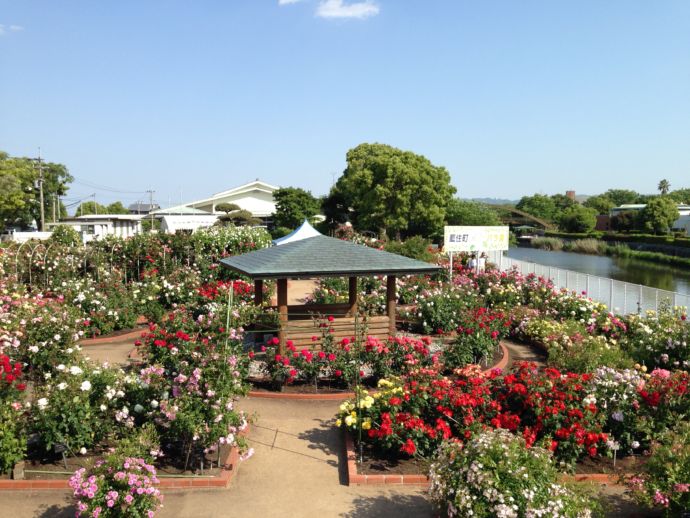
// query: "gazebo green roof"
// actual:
[[322, 256]]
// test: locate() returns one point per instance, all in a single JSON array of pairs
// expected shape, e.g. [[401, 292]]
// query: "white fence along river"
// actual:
[[621, 297]]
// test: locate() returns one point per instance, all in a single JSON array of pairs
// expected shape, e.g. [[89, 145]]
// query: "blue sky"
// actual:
[[512, 97]]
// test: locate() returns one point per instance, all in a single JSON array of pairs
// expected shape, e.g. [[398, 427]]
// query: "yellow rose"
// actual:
[[366, 425], [338, 423]]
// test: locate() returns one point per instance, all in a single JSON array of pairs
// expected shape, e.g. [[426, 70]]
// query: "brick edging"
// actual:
[[357, 479], [129, 335], [227, 473]]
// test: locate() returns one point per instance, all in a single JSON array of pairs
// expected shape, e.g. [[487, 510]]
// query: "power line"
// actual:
[[102, 187]]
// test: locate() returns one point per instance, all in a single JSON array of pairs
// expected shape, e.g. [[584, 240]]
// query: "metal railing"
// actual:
[[621, 297]]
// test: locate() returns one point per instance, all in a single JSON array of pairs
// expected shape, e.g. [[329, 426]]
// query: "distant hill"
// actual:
[[494, 201]]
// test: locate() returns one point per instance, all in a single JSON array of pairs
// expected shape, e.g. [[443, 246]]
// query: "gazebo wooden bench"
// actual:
[[322, 256]]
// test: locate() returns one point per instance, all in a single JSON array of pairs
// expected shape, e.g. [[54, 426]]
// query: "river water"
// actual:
[[647, 273]]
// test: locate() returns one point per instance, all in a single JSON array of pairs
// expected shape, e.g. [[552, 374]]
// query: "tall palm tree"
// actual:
[[664, 187]]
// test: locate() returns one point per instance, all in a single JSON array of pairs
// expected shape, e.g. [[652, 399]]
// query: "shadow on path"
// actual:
[[56, 511], [384, 506]]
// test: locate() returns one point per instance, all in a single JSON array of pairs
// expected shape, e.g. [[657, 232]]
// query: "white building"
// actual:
[[97, 226], [255, 197]]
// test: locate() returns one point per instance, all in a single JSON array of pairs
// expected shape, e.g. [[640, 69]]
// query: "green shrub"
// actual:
[[495, 474], [12, 436], [665, 483], [65, 235], [415, 247]]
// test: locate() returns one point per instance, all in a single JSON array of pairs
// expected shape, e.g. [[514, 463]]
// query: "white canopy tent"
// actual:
[[304, 231]]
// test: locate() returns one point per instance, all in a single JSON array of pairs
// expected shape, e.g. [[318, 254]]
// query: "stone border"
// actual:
[[505, 359], [222, 481]]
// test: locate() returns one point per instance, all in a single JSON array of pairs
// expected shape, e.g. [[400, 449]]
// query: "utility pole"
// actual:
[[54, 204], [151, 191], [40, 188], [95, 205]]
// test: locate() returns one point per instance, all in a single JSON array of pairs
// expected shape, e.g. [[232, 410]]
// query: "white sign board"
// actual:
[[475, 239]]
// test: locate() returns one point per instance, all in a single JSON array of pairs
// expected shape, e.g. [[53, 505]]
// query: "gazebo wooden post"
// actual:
[[282, 314], [352, 296], [391, 299], [258, 292]]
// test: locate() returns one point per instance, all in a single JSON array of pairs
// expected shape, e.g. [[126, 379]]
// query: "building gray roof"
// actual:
[[323, 256]]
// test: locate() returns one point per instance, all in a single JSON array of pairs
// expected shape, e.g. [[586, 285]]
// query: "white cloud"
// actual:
[[339, 9], [288, 2], [4, 29]]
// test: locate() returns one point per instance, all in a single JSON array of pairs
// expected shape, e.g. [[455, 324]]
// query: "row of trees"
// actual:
[[570, 216], [20, 180]]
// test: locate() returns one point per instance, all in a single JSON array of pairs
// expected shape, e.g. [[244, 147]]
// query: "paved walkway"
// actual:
[[296, 471]]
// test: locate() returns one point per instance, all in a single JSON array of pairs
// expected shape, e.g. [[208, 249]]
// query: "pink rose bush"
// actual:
[[117, 487]]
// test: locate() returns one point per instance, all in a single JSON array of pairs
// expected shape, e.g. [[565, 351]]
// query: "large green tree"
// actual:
[[659, 214], [19, 181], [391, 191], [464, 212], [539, 205], [562, 203], [622, 196], [293, 206], [601, 203], [577, 219]]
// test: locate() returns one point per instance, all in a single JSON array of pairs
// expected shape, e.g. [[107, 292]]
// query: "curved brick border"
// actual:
[[220, 482], [505, 359], [337, 396]]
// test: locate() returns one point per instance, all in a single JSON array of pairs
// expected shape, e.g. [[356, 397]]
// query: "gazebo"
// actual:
[[322, 256]]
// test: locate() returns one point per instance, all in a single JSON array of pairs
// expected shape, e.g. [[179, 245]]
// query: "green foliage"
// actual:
[[665, 482], [680, 195], [12, 436], [293, 206], [462, 212], [389, 190], [238, 218], [117, 208], [90, 207], [659, 215], [538, 205], [622, 196], [415, 247], [601, 203], [625, 221], [65, 235], [562, 202], [228, 207], [577, 218], [663, 187], [20, 202]]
